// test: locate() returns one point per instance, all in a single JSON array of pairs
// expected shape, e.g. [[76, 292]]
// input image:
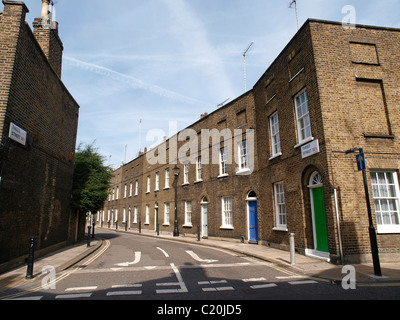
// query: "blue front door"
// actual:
[[253, 222]]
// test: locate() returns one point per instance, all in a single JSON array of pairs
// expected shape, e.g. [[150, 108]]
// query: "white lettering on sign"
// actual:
[[17, 134], [310, 149]]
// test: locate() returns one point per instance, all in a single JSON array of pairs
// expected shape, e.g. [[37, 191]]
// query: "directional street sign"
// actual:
[[361, 161]]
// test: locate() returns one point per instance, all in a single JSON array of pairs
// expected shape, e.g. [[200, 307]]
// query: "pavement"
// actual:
[[71, 256]]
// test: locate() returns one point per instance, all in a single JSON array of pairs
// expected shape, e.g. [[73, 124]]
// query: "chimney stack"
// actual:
[[46, 34]]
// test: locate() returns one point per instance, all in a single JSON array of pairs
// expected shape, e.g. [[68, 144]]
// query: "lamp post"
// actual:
[[176, 175], [372, 232]]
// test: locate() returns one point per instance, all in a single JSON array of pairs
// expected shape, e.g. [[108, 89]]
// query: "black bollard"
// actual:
[[140, 227], [31, 258], [198, 233], [88, 237], [93, 224]]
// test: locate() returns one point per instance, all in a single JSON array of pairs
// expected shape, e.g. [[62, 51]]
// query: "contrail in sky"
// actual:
[[132, 81]]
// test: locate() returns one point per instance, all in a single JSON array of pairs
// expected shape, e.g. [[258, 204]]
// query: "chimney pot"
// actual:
[[45, 8]]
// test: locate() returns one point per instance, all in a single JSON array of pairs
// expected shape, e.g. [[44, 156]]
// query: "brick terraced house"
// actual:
[[280, 166], [38, 128]]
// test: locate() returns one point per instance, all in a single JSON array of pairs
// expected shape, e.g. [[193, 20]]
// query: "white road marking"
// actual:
[[302, 282], [254, 280], [212, 282], [163, 251], [28, 299], [263, 286], [214, 289], [74, 296], [82, 288], [197, 258], [138, 285], [138, 255], [123, 293], [180, 282]]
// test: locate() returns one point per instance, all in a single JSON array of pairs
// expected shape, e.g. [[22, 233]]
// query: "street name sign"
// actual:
[[17, 134]]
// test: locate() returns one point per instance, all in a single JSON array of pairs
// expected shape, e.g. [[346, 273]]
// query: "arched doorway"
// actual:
[[204, 217], [320, 232], [252, 217]]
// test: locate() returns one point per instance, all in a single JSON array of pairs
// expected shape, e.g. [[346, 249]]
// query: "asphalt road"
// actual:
[[136, 268]]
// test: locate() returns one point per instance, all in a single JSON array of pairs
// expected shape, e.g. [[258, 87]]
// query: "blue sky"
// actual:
[[172, 60]]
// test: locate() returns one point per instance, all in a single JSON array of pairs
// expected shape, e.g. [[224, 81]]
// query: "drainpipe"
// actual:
[[338, 226]]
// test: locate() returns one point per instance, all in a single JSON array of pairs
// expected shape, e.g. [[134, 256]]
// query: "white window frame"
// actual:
[[166, 213], [157, 187], [186, 173], [147, 218], [188, 214], [148, 184], [124, 215], [223, 162], [275, 135], [125, 190], [303, 121], [243, 154], [117, 194], [199, 169], [166, 178], [386, 195], [130, 189], [227, 213], [280, 207], [135, 214], [136, 187]]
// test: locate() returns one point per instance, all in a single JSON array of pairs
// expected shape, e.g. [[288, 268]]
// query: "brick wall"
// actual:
[[358, 76], [36, 178], [351, 79]]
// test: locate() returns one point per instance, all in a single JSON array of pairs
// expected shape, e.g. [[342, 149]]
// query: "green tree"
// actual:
[[91, 180]]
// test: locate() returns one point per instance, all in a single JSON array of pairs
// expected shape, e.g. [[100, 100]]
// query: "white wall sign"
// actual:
[[310, 149], [17, 134]]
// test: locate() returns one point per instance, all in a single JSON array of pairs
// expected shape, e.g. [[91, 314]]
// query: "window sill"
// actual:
[[226, 228], [383, 229], [165, 224], [198, 181], [275, 156], [166, 188], [280, 229], [304, 142], [243, 172], [186, 225], [185, 184], [223, 175]]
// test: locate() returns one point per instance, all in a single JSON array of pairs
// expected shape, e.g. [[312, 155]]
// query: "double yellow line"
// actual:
[[62, 277]]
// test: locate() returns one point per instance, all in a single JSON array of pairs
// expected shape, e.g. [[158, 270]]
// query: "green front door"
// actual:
[[320, 219]]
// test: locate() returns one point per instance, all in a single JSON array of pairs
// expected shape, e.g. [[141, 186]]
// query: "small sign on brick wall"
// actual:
[[17, 134]]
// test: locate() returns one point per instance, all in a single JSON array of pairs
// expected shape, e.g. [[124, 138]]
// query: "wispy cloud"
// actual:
[[132, 81], [192, 35]]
